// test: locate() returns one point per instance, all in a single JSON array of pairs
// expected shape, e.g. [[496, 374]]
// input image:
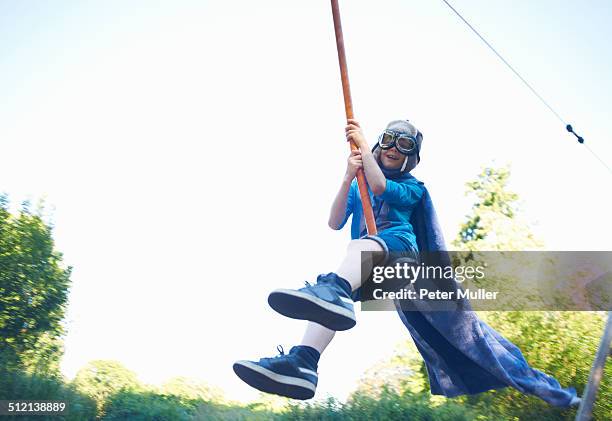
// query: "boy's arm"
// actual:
[[406, 194], [339, 212], [375, 177]]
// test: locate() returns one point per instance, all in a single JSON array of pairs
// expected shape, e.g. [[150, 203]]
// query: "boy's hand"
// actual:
[[354, 164], [354, 134]]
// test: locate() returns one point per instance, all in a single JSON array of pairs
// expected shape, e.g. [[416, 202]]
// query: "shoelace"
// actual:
[[281, 353], [320, 278]]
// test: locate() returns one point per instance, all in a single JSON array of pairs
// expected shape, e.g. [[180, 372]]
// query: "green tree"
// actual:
[[494, 222], [33, 291], [101, 379], [562, 344], [403, 372], [496, 235]]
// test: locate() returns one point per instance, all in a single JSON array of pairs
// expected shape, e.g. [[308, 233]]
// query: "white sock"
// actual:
[[317, 336], [350, 268]]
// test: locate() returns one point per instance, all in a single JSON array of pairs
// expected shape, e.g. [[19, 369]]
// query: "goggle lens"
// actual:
[[386, 141], [405, 144]]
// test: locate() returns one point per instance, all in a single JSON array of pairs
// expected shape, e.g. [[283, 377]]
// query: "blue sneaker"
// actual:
[[327, 303], [287, 375]]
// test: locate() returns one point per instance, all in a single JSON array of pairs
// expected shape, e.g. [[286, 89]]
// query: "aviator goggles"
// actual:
[[405, 144]]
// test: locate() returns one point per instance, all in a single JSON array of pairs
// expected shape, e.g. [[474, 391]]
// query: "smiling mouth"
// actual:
[[392, 157]]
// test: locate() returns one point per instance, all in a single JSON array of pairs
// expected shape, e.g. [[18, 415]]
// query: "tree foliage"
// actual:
[[191, 389], [101, 379], [494, 222], [561, 344], [33, 290]]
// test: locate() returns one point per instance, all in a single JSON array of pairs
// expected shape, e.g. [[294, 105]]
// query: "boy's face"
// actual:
[[392, 159]]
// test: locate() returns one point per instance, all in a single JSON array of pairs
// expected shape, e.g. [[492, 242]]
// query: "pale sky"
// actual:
[[191, 151]]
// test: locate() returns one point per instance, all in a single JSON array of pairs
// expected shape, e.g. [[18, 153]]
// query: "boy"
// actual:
[[462, 354], [328, 305]]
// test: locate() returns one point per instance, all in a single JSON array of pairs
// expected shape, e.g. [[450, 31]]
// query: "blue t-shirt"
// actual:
[[392, 210]]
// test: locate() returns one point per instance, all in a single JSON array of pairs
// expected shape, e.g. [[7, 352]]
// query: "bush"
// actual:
[[562, 344], [19, 385], [388, 406], [147, 406]]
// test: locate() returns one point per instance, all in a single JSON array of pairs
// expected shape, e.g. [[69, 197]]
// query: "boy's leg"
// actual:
[[294, 375], [329, 302], [350, 268], [317, 336]]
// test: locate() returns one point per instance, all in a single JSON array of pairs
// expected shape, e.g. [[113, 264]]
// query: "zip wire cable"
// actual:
[[567, 126], [600, 160]]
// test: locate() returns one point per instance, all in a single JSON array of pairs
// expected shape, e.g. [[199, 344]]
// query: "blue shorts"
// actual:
[[393, 244]]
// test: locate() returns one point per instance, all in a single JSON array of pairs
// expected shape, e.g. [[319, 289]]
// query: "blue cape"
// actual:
[[464, 355]]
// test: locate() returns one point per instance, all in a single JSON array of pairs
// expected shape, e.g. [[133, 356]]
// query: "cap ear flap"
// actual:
[[410, 163]]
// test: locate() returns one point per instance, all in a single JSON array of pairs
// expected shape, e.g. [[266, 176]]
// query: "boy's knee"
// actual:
[[363, 244]]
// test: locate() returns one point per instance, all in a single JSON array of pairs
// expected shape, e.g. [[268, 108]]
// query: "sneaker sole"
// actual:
[[270, 382], [303, 306]]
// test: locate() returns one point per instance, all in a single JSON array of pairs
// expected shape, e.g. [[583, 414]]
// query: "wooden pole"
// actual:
[[585, 411], [348, 107]]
